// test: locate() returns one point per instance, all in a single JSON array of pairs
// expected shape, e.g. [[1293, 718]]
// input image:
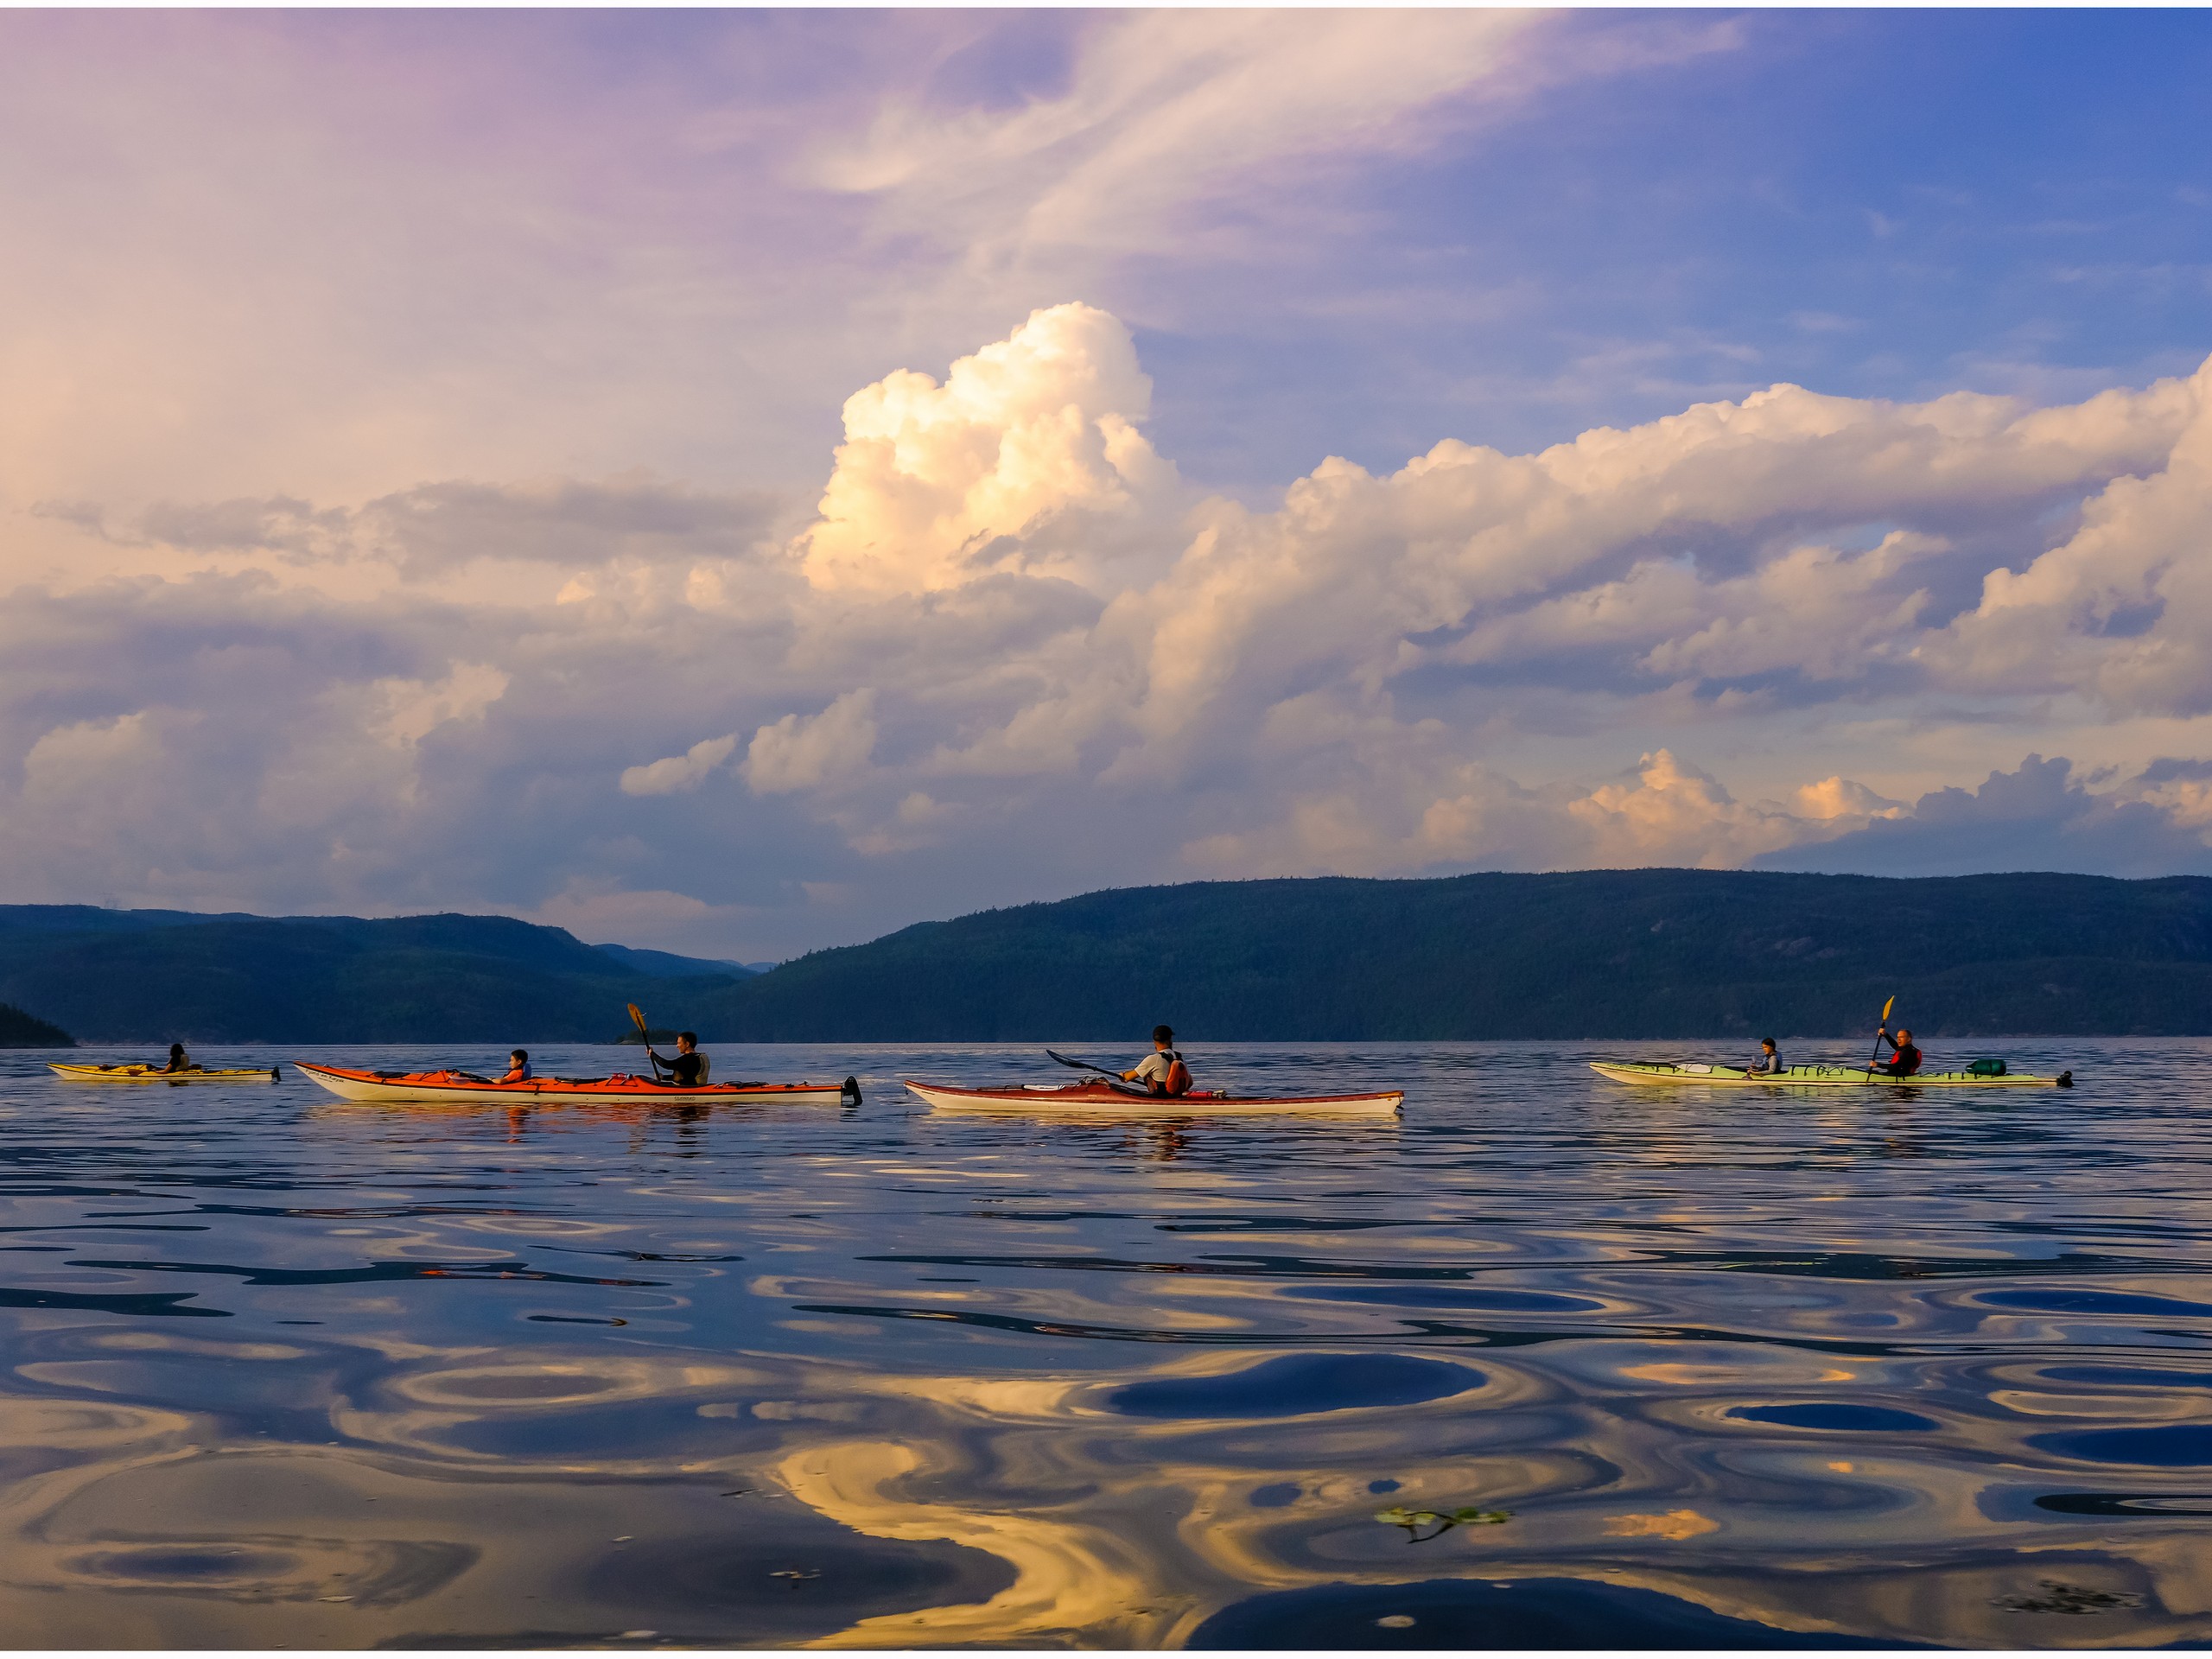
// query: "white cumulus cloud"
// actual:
[[679, 771], [804, 751], [1022, 461]]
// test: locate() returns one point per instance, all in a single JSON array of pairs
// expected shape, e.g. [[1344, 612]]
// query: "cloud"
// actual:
[[1022, 461], [1014, 656], [2038, 816], [1163, 112], [679, 771], [806, 752]]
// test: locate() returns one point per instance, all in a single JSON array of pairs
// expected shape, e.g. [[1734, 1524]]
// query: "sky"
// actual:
[[742, 482]]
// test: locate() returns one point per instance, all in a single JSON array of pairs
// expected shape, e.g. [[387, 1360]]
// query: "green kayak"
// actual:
[[1819, 1076]]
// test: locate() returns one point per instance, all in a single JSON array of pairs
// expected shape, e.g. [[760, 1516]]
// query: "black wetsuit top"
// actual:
[[1907, 1060], [684, 1071]]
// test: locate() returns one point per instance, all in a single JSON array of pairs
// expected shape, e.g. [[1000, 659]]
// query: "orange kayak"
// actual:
[[371, 1087]]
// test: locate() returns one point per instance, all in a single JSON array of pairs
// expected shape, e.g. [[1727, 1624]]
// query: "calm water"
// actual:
[[1734, 1366]]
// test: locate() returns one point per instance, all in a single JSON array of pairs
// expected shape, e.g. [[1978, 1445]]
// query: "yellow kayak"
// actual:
[[1820, 1076], [155, 1074]]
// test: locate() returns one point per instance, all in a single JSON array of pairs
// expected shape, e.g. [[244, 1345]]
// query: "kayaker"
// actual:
[[178, 1060], [1904, 1059], [689, 1069], [1769, 1060], [1162, 1071], [518, 1067]]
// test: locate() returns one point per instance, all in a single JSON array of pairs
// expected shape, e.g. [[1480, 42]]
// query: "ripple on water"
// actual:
[[2042, 1299], [2165, 1445], [1474, 1614], [1293, 1385], [1418, 1295], [272, 1568], [1838, 1415]]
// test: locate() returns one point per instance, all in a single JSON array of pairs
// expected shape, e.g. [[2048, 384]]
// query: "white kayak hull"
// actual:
[[371, 1088], [1817, 1076], [70, 1073], [1086, 1100]]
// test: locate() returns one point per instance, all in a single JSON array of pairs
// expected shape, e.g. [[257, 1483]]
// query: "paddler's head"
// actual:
[[1767, 1043], [686, 1041], [1163, 1037], [1903, 1036], [176, 1051]]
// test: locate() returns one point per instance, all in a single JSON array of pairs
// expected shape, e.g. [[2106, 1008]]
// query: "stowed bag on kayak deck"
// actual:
[[1988, 1068]]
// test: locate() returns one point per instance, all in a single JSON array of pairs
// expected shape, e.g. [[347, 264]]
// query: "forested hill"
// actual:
[[1596, 954], [157, 976]]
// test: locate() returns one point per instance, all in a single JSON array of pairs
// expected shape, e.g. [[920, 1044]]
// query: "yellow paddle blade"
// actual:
[[639, 1019], [1886, 1006]]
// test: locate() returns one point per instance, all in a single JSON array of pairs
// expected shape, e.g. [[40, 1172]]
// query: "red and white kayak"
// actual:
[[374, 1087], [1100, 1097]]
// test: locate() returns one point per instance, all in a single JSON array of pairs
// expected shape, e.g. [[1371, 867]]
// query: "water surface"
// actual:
[[1698, 1368]]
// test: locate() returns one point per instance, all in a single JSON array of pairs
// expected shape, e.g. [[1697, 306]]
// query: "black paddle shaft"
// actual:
[[1082, 1065], [1114, 1078]]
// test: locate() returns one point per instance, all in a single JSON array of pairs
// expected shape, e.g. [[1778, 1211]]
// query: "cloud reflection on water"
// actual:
[[602, 1379]]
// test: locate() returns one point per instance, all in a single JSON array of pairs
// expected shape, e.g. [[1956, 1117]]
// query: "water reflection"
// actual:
[[1546, 1359]]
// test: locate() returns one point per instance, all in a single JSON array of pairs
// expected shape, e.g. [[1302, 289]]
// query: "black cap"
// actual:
[[1163, 1034]]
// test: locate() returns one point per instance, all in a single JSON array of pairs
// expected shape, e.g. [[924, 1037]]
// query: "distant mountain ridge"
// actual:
[[1585, 954], [144, 976], [20, 1030], [1601, 954], [665, 965]]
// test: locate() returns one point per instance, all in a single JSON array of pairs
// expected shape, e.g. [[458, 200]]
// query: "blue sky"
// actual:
[[739, 482], [1886, 204]]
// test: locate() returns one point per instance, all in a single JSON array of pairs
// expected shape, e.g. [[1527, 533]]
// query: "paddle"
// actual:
[[646, 1037], [1871, 1058], [1114, 1078], [1083, 1065]]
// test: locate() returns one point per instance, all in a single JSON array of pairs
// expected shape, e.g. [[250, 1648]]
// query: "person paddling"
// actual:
[[518, 1067], [1769, 1062], [689, 1069], [1904, 1059], [178, 1060], [1162, 1071]]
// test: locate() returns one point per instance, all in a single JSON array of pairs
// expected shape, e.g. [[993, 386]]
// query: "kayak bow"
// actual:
[[373, 1087], [1099, 1097], [1819, 1076]]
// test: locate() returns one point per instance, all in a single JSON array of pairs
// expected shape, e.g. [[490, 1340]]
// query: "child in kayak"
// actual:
[[518, 1067], [1162, 1071], [1905, 1058], [689, 1069], [1769, 1060]]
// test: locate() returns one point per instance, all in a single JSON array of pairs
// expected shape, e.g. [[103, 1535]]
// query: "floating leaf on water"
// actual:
[[2069, 1598], [1443, 1520]]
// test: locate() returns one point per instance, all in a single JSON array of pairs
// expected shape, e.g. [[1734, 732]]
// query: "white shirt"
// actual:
[[1153, 1067]]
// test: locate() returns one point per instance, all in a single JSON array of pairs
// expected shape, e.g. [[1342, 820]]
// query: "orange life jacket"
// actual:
[[1178, 1080]]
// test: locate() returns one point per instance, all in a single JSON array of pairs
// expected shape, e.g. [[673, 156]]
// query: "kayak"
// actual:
[[1090, 1099], [378, 1086], [1820, 1076], [155, 1074]]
